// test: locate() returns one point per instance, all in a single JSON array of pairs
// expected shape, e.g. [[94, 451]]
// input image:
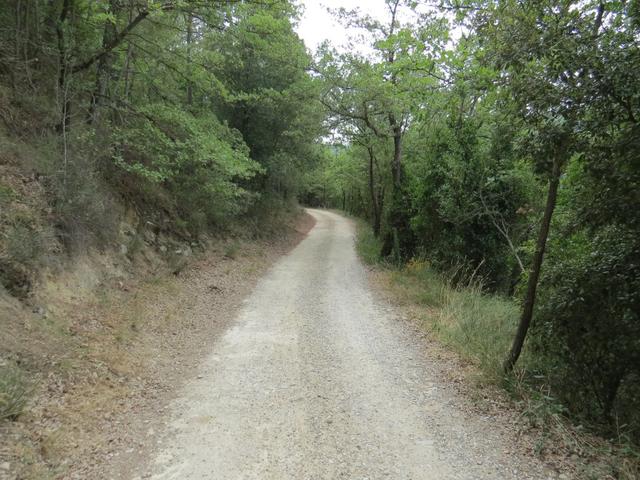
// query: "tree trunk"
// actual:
[[532, 285], [375, 207], [189, 59], [395, 238], [126, 73], [377, 227], [397, 152], [63, 68], [105, 65], [392, 241]]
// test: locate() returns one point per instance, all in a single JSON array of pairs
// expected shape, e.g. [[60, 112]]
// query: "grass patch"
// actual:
[[14, 392], [367, 245], [479, 327], [7, 194]]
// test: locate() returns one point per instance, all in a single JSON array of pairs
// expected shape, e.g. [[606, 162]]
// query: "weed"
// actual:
[[232, 249], [24, 245], [368, 245], [6, 194], [14, 392], [136, 244], [176, 262]]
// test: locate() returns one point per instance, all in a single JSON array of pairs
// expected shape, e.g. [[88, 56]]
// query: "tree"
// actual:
[[378, 94]]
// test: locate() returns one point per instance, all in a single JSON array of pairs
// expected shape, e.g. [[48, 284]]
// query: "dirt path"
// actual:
[[315, 380]]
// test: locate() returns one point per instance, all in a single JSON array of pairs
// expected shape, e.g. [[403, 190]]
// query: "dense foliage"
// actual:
[[482, 135], [190, 109]]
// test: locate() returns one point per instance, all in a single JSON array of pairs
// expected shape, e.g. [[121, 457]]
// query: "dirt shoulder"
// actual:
[[104, 363]]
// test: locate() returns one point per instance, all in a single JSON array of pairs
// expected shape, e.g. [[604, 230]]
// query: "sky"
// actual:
[[318, 25]]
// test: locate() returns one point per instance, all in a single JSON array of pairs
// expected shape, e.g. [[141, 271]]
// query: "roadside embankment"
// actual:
[[100, 348]]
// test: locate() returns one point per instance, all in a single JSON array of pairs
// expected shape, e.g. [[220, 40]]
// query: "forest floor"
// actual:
[[317, 379], [104, 361]]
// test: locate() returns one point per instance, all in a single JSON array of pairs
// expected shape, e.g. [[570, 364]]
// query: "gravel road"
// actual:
[[318, 380]]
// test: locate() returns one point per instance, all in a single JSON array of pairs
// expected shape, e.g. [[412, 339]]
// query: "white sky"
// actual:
[[318, 25]]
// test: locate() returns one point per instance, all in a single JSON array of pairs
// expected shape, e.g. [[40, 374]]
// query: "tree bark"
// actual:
[[375, 206], [189, 59], [65, 109], [105, 64], [532, 285], [126, 73], [395, 238]]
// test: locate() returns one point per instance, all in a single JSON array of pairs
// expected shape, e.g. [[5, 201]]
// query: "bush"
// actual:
[[588, 327], [21, 252], [84, 209], [200, 163], [268, 217], [15, 278], [24, 244]]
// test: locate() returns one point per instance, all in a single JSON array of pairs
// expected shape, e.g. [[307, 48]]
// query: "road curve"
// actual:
[[316, 380]]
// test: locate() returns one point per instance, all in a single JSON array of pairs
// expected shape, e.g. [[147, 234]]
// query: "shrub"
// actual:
[[21, 254], [199, 161], [588, 327], [24, 244], [15, 278], [84, 209], [14, 392]]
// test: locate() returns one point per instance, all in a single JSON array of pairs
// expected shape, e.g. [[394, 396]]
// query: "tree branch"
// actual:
[[111, 45], [503, 231]]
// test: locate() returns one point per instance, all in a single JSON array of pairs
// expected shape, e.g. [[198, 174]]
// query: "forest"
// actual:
[[494, 142], [498, 142]]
